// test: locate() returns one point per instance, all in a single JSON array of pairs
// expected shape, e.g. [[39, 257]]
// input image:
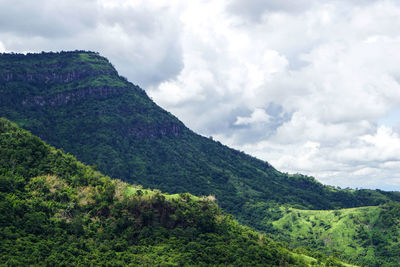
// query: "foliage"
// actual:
[[55, 211], [368, 235]]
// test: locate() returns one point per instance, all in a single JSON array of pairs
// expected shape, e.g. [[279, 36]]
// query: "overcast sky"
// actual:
[[309, 86]]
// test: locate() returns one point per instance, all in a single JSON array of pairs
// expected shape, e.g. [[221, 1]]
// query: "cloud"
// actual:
[[331, 67], [258, 116], [370, 161], [254, 10], [310, 86], [2, 48], [47, 19], [140, 38]]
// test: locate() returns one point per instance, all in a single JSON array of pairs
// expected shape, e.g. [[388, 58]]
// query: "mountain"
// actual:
[[55, 211], [78, 102]]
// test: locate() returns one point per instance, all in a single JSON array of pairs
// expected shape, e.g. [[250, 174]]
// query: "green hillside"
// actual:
[[78, 102], [56, 211], [367, 235]]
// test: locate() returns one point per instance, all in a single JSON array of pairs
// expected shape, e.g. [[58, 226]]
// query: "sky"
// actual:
[[311, 86]]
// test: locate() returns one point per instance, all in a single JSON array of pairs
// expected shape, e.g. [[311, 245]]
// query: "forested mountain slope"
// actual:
[[55, 211], [78, 102]]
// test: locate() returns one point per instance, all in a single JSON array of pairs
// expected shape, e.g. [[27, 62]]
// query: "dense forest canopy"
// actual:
[[56, 211]]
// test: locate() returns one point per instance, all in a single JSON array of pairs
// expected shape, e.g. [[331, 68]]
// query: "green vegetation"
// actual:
[[78, 102], [55, 211], [368, 235]]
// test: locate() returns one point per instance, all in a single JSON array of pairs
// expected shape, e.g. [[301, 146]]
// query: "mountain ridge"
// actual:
[[127, 136]]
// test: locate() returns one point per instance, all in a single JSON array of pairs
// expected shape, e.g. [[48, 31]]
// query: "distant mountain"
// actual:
[[55, 211], [78, 102]]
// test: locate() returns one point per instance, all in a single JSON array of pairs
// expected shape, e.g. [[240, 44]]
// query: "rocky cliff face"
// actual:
[[51, 75], [72, 97]]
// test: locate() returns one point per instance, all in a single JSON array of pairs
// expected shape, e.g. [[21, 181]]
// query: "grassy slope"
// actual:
[[57, 211], [366, 235]]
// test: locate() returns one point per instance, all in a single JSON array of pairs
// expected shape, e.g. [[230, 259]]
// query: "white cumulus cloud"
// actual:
[[258, 116]]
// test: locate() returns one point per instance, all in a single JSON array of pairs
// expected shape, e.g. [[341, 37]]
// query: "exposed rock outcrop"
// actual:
[[71, 97], [53, 76]]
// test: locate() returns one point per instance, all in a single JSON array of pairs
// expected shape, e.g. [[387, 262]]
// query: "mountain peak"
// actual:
[[54, 68]]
